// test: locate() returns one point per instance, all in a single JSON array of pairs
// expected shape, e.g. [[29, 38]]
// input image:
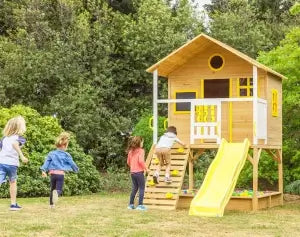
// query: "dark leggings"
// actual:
[[56, 183], [138, 183]]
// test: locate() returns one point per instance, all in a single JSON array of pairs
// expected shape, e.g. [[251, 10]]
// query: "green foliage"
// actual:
[[267, 173], [116, 180], [40, 135], [295, 10], [293, 188], [286, 59], [85, 62], [142, 128], [250, 26], [201, 166]]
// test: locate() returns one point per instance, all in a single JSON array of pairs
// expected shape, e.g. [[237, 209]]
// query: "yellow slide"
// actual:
[[220, 179]]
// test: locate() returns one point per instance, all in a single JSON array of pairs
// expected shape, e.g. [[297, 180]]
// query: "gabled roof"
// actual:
[[181, 55]]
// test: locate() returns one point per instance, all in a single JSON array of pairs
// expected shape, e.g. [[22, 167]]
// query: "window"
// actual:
[[245, 87], [216, 62], [184, 107], [274, 103]]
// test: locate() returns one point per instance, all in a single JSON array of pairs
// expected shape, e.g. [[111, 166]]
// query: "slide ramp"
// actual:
[[220, 179]]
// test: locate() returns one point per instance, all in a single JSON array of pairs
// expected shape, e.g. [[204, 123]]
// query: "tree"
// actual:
[[249, 26], [85, 62], [286, 59]]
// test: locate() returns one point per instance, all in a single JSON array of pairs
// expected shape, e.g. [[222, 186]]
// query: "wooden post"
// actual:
[[155, 112], [230, 110], [219, 122], [255, 179], [255, 120], [280, 175], [192, 121], [191, 171]]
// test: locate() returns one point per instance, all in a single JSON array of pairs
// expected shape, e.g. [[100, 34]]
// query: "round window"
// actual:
[[216, 62]]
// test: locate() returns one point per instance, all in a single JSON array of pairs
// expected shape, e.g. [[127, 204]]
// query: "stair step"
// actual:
[[162, 174], [178, 157], [159, 196], [161, 207], [166, 185], [160, 201], [173, 162], [161, 178], [162, 190], [173, 167]]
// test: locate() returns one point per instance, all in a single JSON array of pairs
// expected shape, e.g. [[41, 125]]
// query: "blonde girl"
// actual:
[[56, 163], [10, 154]]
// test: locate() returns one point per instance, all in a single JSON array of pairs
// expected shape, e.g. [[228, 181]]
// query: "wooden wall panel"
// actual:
[[242, 121], [188, 77], [198, 66], [274, 123]]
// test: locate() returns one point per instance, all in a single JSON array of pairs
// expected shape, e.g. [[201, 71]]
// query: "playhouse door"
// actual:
[[216, 88]]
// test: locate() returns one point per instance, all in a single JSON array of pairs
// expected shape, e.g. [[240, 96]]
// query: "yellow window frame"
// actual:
[[183, 91], [248, 87], [216, 69]]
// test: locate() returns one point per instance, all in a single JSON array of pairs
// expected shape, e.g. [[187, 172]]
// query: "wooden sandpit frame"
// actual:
[[257, 201]]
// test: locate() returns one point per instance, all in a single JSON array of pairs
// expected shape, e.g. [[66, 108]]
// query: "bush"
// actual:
[[293, 188], [116, 180], [142, 129], [267, 173], [40, 135], [201, 166]]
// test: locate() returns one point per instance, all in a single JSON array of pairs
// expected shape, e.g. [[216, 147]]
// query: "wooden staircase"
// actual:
[[155, 196]]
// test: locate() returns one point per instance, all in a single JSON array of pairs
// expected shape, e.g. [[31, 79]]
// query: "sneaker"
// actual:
[[130, 207], [52, 206], [168, 180], [141, 208], [15, 207], [155, 179], [54, 196]]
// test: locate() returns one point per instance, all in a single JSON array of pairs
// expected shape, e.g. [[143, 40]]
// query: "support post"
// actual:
[[192, 125], [280, 176], [155, 110], [255, 179], [230, 110], [191, 173], [255, 104], [219, 122]]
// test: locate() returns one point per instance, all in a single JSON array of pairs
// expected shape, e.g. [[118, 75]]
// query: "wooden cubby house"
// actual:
[[216, 92]]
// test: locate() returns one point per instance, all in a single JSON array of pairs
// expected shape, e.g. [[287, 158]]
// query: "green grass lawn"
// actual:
[[106, 215]]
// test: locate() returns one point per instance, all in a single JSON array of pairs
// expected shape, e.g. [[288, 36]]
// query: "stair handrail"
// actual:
[[150, 155]]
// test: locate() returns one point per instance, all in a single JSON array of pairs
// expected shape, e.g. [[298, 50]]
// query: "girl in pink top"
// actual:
[[135, 161]]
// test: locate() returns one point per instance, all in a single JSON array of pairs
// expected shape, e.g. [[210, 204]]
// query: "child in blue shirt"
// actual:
[[56, 163]]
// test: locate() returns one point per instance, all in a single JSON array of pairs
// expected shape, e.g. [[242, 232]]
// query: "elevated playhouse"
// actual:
[[218, 98]]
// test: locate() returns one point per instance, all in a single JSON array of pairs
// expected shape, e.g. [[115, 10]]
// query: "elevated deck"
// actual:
[[216, 146]]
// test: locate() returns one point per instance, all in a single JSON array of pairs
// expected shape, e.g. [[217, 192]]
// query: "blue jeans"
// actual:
[[8, 170], [138, 183]]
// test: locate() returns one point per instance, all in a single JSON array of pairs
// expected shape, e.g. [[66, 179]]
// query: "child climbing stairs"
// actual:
[[165, 195]]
